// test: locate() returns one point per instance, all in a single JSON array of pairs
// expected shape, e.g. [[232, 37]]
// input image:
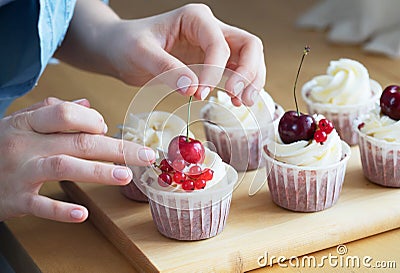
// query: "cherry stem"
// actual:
[[188, 119], [305, 52]]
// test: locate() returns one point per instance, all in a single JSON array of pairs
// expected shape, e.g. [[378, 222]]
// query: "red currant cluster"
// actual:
[[194, 179], [325, 127]]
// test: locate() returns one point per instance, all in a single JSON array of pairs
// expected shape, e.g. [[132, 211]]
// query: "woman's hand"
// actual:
[[189, 35], [138, 50], [58, 140]]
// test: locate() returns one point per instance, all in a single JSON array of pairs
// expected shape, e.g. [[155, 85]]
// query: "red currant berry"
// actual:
[[178, 164], [326, 125], [320, 136], [207, 174], [200, 184], [179, 177], [361, 125], [165, 166], [188, 185], [164, 179], [195, 170]]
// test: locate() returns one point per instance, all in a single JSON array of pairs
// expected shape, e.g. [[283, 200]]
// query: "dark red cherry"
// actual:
[[173, 149], [191, 150], [390, 102], [164, 179], [293, 127]]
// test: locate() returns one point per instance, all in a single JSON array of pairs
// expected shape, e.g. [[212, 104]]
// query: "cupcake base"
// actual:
[[190, 216], [191, 225], [343, 116], [240, 147], [306, 189], [380, 161]]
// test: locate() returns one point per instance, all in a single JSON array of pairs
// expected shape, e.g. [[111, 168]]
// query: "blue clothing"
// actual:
[[30, 31]]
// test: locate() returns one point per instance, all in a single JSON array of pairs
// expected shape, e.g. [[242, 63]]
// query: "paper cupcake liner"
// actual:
[[131, 190], [194, 215], [380, 160], [240, 147], [306, 189], [342, 116]]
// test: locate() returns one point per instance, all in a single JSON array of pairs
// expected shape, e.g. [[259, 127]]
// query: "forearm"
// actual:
[[85, 44]]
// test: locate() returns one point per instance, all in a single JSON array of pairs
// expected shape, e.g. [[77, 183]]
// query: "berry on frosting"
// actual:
[[295, 126], [165, 166], [320, 136], [390, 102], [181, 165], [326, 125], [164, 179], [188, 185]]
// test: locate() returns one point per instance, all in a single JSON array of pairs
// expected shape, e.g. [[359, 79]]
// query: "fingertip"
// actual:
[[204, 92], [84, 102], [147, 155], [78, 214], [123, 175], [249, 96], [236, 101], [187, 84]]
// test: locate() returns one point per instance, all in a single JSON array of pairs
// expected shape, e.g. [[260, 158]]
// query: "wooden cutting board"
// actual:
[[255, 225]]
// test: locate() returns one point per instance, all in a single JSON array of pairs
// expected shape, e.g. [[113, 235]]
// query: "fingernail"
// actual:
[[146, 154], [254, 96], [238, 88], [122, 173], [76, 214], [183, 83], [79, 100], [105, 130], [205, 92]]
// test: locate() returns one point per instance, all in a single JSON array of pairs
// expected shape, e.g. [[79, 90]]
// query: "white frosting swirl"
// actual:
[[154, 130], [224, 113], [346, 82], [308, 153], [211, 160], [381, 126]]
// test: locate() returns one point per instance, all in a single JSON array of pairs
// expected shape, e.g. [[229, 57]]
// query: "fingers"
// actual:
[[201, 27], [64, 167], [47, 208], [51, 101], [248, 54], [61, 117], [97, 147]]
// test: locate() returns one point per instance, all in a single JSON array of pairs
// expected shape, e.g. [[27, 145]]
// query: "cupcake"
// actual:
[[379, 140], [154, 130], [238, 133], [191, 203], [306, 175], [343, 94]]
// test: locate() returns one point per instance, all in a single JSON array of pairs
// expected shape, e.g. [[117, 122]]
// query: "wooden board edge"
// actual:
[[100, 220]]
